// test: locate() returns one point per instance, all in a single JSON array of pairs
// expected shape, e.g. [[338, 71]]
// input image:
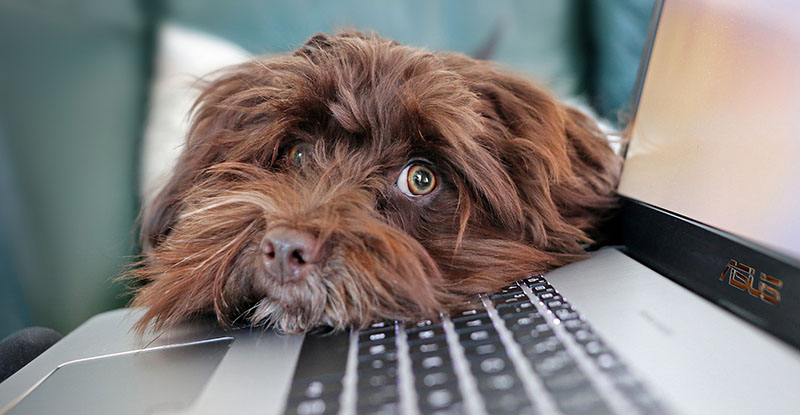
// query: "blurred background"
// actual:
[[92, 107]]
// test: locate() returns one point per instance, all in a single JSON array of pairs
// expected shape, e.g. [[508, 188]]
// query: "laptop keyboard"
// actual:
[[523, 350]]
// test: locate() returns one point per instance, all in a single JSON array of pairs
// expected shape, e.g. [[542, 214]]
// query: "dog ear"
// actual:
[[229, 123], [321, 42], [563, 169]]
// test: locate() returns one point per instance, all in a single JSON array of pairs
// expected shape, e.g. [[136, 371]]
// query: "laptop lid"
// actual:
[[710, 177]]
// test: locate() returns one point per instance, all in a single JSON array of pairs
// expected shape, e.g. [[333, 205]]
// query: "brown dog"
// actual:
[[361, 179]]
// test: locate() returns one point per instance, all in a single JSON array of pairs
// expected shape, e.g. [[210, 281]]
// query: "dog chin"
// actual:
[[290, 307]]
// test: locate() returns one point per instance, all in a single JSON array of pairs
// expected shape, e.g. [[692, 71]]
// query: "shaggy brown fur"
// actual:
[[521, 179]]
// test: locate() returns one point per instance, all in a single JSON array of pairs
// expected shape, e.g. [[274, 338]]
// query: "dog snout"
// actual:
[[289, 254]]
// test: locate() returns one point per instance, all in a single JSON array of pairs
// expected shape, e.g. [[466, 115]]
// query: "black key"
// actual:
[[585, 335], [391, 408], [540, 287], [500, 381], [505, 293], [425, 334], [436, 378], [583, 400], [482, 349], [422, 326], [479, 336], [431, 362], [475, 312], [377, 396], [312, 407], [473, 303], [512, 288], [533, 280], [381, 325], [377, 362], [534, 334], [381, 340], [377, 379], [512, 401], [546, 295], [375, 335], [515, 308], [573, 325], [565, 380], [552, 363], [595, 348], [436, 345], [523, 321], [511, 298], [566, 314], [608, 362], [434, 400], [553, 304], [466, 323], [490, 364], [541, 345], [378, 326], [464, 330], [377, 348]]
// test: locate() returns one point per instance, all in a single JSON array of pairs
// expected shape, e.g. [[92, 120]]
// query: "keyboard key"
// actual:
[[425, 333], [524, 321], [376, 396], [498, 381], [380, 326], [313, 407], [502, 296], [515, 308], [466, 323], [420, 324], [540, 287], [390, 408], [535, 334], [429, 362], [376, 335], [478, 336], [585, 400], [376, 379], [439, 398], [512, 401], [490, 364], [435, 345], [476, 350], [565, 380], [436, 378], [533, 280], [511, 298], [513, 288]]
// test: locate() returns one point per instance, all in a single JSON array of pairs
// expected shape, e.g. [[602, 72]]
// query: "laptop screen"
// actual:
[[716, 136]]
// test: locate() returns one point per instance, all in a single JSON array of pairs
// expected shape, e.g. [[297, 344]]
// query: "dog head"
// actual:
[[360, 179]]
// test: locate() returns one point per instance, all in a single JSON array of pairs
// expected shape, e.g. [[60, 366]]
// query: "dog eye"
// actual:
[[416, 180], [299, 153]]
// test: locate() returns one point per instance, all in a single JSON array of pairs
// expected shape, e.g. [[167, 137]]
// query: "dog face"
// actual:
[[361, 179]]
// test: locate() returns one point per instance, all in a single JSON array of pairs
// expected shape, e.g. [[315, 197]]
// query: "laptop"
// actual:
[[696, 311]]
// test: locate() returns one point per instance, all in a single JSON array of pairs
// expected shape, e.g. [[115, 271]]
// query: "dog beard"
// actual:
[[519, 181]]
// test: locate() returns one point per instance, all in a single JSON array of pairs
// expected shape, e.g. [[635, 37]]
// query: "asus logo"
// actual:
[[744, 278]]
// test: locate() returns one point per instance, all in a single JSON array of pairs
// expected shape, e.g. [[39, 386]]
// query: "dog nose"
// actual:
[[289, 253]]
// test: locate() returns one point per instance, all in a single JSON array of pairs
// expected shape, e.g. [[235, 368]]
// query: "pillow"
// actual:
[[185, 59]]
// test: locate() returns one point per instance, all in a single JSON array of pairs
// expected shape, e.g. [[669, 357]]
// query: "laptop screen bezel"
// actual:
[[706, 260]]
